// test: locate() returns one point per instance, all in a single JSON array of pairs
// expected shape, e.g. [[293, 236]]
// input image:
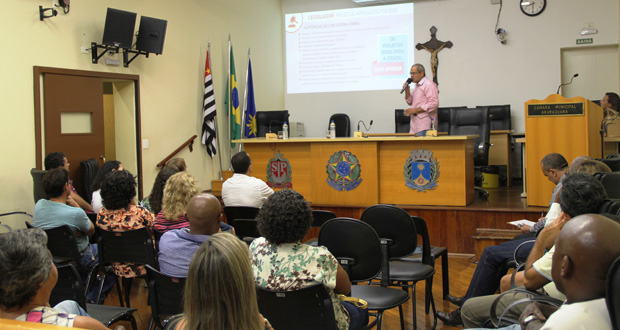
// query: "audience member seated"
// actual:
[[178, 246], [153, 201], [178, 164], [219, 291], [280, 261], [242, 189], [118, 214], [590, 166], [179, 190], [491, 266], [55, 212], [581, 194], [27, 277], [611, 105], [106, 168], [59, 159]]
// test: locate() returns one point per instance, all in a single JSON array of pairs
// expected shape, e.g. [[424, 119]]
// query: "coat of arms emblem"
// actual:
[[343, 171], [421, 171], [279, 172]]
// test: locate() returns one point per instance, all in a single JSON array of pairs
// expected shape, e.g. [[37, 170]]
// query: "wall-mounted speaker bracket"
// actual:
[[127, 60], [94, 50]]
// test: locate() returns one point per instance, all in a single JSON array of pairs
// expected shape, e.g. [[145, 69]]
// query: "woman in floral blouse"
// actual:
[[119, 214], [281, 262]]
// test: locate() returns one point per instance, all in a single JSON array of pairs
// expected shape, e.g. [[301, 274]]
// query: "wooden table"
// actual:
[[382, 162]]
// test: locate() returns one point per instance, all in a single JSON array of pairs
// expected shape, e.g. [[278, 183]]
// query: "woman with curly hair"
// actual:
[[107, 168], [27, 277], [119, 214], [153, 201], [281, 262], [219, 291], [179, 190]]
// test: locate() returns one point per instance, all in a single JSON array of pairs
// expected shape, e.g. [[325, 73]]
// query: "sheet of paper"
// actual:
[[521, 223]]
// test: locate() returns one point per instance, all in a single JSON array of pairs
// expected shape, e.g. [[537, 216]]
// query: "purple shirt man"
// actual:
[[423, 101]]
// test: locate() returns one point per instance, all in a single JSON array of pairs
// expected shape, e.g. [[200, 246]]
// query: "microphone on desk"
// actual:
[[366, 127], [274, 121], [409, 81], [570, 82]]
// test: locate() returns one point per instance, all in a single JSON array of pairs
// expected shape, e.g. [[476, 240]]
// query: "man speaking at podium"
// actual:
[[423, 101]]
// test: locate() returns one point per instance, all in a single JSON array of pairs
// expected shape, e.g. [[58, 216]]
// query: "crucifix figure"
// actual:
[[434, 46]]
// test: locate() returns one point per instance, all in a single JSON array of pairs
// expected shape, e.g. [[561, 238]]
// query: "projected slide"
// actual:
[[358, 49]]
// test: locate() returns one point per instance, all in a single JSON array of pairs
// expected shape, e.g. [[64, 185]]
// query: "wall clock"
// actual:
[[533, 7]]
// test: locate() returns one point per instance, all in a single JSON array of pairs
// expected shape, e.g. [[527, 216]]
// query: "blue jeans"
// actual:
[[70, 307], [90, 258], [421, 133], [492, 267], [358, 317]]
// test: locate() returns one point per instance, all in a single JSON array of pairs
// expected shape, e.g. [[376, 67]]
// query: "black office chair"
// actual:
[[70, 287], [613, 161], [90, 167], [320, 217], [133, 246], [500, 117], [357, 248], [305, 309], [343, 124], [62, 243], [397, 230], [469, 122], [165, 296], [443, 118], [402, 123], [612, 298], [37, 184], [611, 183], [246, 229], [240, 212], [270, 121]]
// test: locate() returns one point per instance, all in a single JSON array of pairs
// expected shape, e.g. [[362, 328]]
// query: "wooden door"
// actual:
[[73, 120]]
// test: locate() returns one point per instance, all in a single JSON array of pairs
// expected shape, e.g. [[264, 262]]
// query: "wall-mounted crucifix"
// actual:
[[434, 46]]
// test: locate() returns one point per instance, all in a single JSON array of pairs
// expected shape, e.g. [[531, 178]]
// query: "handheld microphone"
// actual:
[[366, 127], [409, 81], [570, 82], [274, 121]]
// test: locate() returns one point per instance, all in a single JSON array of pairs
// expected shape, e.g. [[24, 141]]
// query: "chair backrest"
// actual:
[[90, 167], [355, 245], [69, 285], [14, 220], [343, 124], [422, 230], [134, 246], [240, 212], [500, 117], [165, 293], [470, 122], [319, 217], [62, 243], [246, 229], [304, 309], [402, 123], [610, 206], [37, 184], [394, 226], [612, 162], [270, 121], [443, 118], [611, 183], [612, 294]]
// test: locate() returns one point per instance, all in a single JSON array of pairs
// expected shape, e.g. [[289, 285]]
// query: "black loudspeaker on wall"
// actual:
[[151, 35], [119, 28]]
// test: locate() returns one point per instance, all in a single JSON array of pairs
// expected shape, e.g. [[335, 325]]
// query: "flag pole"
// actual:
[[217, 131], [229, 105], [245, 101]]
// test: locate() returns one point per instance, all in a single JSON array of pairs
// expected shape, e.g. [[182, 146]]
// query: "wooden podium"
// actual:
[[570, 127]]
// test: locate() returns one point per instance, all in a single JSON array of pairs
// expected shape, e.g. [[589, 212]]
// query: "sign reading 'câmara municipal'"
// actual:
[[555, 109]]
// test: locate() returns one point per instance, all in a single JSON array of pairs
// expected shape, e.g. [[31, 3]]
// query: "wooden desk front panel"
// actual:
[[298, 154], [499, 153], [455, 185], [366, 193]]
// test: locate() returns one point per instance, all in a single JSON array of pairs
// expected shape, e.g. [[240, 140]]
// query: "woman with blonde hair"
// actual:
[[179, 190], [219, 291]]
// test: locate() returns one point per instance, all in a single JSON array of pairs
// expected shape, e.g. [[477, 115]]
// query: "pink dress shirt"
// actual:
[[425, 96]]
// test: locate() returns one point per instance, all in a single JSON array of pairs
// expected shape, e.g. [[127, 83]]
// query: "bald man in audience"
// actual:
[[178, 246]]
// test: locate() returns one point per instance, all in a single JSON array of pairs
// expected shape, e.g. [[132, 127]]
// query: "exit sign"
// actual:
[[584, 41]]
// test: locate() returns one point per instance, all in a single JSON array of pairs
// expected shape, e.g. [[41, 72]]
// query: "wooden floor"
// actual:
[[461, 271]]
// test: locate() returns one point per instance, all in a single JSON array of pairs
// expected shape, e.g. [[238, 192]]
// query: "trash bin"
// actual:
[[490, 177]]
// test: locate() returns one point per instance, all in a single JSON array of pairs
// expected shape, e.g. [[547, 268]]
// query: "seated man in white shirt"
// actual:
[[242, 189]]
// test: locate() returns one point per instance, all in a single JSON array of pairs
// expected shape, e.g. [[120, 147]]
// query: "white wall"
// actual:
[[171, 84], [477, 70]]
